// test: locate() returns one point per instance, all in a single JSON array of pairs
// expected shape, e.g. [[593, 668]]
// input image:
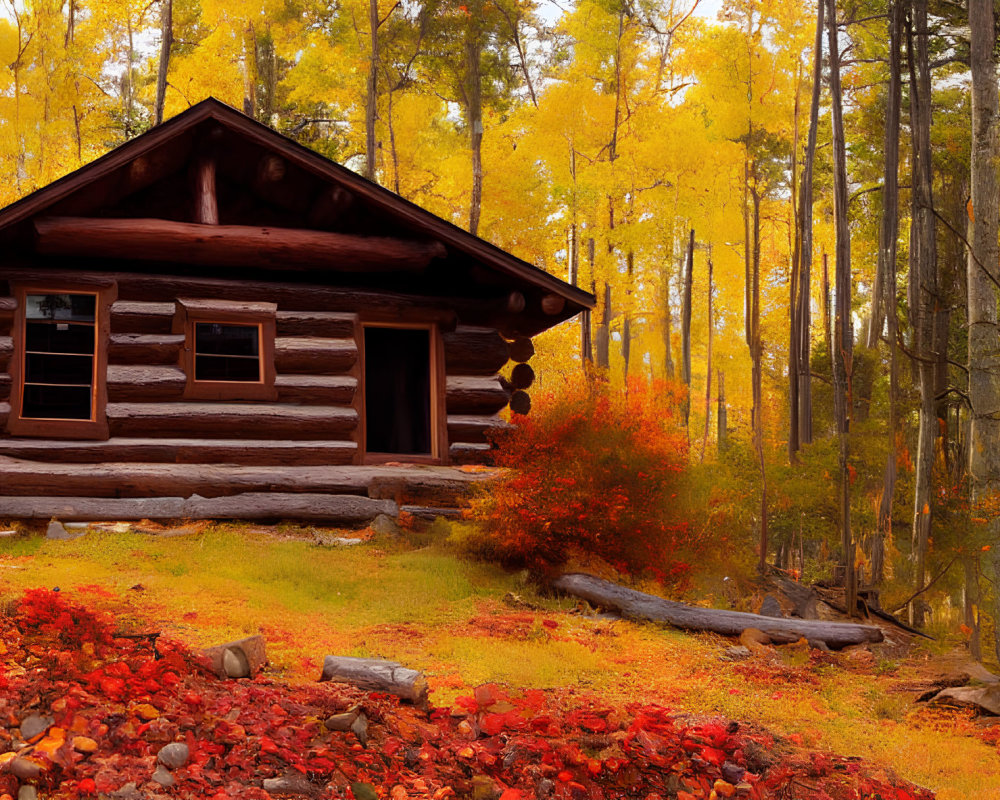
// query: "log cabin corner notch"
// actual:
[[212, 294]]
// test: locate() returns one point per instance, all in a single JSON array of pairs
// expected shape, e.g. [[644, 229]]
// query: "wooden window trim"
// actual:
[[97, 426], [191, 312], [438, 386]]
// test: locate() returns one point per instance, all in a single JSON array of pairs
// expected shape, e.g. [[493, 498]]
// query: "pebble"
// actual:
[[24, 769], [163, 777], [384, 525], [736, 653], [27, 793], [84, 744], [293, 784], [235, 663], [173, 755], [33, 725]]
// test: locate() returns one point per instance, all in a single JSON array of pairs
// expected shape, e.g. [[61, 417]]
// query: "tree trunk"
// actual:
[[474, 93], [844, 340], [708, 365], [371, 91], [923, 294], [795, 234], [686, 327], [984, 358], [720, 415], [756, 356], [586, 325], [166, 42]]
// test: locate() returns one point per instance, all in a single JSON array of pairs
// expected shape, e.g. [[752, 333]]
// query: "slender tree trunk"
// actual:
[[884, 293], [603, 343], [984, 357], [587, 330], [371, 91], [249, 71], [721, 431], [826, 307], [844, 339], [708, 364], [627, 314], [686, 327], [166, 42], [804, 300], [794, 333], [923, 294], [474, 93], [756, 356]]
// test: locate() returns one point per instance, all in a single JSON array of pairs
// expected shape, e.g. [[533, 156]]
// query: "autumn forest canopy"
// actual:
[[787, 212]]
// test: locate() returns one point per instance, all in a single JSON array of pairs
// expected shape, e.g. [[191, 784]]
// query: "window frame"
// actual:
[[105, 293], [438, 386], [224, 312]]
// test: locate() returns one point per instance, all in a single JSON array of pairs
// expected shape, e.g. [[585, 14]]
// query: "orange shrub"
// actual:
[[594, 471]]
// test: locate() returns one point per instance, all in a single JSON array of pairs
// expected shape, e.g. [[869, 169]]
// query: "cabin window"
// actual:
[[401, 391], [229, 349], [58, 386]]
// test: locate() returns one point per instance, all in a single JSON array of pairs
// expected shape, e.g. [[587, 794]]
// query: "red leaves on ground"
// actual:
[[114, 702]]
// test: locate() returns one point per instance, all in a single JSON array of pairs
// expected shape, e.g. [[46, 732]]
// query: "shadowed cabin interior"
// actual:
[[214, 319]]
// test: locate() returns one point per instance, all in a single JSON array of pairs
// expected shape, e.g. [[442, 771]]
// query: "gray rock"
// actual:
[[57, 531], [235, 663], [173, 755], [360, 729], [293, 783], [544, 789], [34, 724], [771, 607], [384, 525], [344, 721], [25, 770], [163, 777], [733, 773], [986, 698], [27, 793], [127, 792], [737, 653], [250, 650], [345, 541]]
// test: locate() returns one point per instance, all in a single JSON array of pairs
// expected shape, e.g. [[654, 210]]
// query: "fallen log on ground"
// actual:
[[985, 698], [377, 675], [639, 605]]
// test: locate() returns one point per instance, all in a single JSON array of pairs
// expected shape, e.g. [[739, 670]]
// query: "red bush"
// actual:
[[594, 471]]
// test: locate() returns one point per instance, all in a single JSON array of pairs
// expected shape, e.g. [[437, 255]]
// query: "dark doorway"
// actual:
[[398, 390]]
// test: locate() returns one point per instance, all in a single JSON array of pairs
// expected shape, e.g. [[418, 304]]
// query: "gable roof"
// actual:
[[156, 141]]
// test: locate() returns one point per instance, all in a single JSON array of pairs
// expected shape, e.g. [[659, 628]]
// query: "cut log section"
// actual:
[[520, 403], [639, 605], [345, 509], [230, 245], [553, 304], [377, 675], [521, 349], [522, 376]]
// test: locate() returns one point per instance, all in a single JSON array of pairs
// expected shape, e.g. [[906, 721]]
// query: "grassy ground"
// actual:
[[465, 624]]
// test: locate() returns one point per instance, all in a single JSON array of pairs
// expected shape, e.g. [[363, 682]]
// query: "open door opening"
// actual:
[[398, 391]]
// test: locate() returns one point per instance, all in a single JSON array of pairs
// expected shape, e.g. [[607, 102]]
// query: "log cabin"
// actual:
[[214, 321]]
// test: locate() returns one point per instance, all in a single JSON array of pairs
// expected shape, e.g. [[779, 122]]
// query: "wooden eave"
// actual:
[[521, 274]]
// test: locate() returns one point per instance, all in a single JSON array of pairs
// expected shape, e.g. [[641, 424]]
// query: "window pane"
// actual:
[[212, 338], [79, 307], [226, 368], [59, 337], [43, 368], [56, 402]]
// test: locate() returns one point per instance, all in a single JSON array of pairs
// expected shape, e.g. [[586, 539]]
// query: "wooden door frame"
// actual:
[[438, 386]]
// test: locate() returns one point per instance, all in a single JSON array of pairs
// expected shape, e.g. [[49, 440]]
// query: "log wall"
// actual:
[[312, 421]]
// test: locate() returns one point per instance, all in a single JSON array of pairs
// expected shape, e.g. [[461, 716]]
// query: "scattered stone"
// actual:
[[25, 769], [27, 793], [35, 725], [723, 788], [771, 608], [173, 755], [986, 698], [162, 776], [57, 531], [483, 788], [146, 712], [360, 729], [363, 791], [735, 653], [343, 722], [345, 541], [294, 783], [384, 525], [544, 789], [127, 792], [819, 644], [246, 657], [84, 744], [732, 772]]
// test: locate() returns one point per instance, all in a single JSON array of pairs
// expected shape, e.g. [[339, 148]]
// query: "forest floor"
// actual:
[[817, 721]]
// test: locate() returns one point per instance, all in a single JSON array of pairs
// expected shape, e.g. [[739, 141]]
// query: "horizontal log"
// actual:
[[377, 675], [145, 348], [332, 508], [127, 384], [231, 420], [639, 605], [464, 453], [472, 428], [183, 451], [471, 394], [331, 324], [316, 389], [314, 355], [230, 245], [426, 489], [136, 317], [474, 351]]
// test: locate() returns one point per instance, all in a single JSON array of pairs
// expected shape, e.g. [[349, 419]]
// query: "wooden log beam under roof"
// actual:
[[230, 245]]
